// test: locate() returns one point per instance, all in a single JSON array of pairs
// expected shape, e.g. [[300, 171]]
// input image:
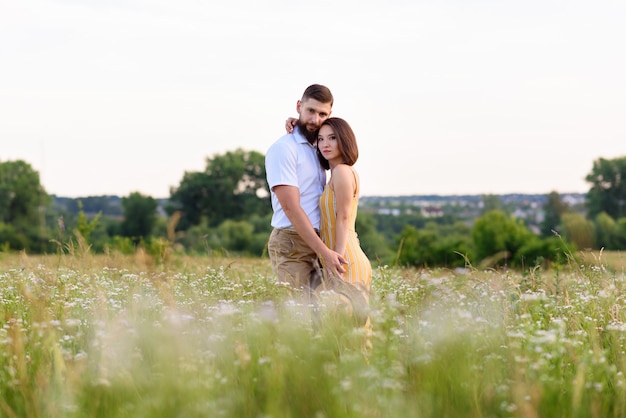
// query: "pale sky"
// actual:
[[445, 97]]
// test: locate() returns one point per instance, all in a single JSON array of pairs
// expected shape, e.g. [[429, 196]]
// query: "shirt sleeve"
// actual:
[[280, 165]]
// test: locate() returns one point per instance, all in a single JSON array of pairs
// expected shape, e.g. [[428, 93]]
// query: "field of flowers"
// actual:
[[105, 336]]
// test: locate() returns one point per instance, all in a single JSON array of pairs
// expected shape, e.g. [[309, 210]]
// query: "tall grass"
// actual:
[[113, 336]]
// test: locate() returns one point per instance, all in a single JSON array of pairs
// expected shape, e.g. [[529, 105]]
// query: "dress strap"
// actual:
[[356, 182]]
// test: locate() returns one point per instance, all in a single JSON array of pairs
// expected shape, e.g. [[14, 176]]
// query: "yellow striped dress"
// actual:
[[359, 269]]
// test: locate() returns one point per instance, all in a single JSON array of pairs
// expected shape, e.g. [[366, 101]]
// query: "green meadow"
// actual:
[[124, 336]]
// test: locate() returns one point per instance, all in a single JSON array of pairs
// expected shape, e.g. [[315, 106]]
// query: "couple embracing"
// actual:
[[313, 245]]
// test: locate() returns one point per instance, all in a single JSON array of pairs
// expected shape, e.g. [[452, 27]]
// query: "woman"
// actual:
[[337, 151]]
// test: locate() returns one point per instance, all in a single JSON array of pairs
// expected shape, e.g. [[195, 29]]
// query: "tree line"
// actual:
[[225, 209]]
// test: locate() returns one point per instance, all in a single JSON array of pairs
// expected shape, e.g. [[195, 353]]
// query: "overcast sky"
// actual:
[[445, 97]]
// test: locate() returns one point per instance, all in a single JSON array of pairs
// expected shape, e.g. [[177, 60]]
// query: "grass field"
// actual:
[[113, 336]]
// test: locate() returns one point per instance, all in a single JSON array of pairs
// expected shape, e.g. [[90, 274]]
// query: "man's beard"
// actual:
[[310, 136]]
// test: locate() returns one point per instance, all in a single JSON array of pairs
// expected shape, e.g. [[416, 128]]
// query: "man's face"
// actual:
[[312, 114]]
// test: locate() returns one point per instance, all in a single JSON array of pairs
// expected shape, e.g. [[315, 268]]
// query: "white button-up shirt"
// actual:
[[292, 161]]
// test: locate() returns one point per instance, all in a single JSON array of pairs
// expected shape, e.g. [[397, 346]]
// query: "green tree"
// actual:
[[415, 247], [496, 234], [390, 226], [232, 186], [435, 245], [191, 198], [22, 199], [85, 226], [372, 242], [553, 209], [140, 214], [538, 251], [107, 205], [578, 230], [236, 235], [621, 237], [491, 202], [607, 232], [608, 188], [11, 239], [454, 243]]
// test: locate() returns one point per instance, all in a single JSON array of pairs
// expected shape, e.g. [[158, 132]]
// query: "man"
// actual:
[[296, 180]]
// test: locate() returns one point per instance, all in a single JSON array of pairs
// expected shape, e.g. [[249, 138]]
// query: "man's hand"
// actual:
[[289, 198], [333, 262]]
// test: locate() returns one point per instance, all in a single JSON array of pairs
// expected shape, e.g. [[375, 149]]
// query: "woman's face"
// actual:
[[328, 144]]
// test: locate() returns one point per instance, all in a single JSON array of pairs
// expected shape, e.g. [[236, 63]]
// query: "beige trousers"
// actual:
[[293, 261]]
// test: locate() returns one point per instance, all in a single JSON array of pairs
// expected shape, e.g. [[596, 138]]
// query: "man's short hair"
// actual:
[[318, 92]]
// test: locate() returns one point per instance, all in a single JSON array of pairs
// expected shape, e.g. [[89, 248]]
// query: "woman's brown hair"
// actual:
[[346, 142]]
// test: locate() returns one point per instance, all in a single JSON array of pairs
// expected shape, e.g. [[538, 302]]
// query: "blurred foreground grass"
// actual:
[[104, 336]]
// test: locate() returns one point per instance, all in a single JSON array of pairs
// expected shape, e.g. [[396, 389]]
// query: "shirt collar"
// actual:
[[301, 139]]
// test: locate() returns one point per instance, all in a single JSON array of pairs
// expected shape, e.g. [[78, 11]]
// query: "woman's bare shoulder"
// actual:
[[343, 176], [342, 170]]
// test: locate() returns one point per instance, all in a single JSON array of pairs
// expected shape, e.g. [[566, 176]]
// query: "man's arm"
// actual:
[[289, 198]]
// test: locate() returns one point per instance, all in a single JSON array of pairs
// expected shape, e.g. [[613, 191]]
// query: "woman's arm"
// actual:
[[290, 123], [344, 187]]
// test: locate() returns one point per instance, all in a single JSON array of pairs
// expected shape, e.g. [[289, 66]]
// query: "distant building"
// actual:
[[520, 214], [388, 211], [432, 212]]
